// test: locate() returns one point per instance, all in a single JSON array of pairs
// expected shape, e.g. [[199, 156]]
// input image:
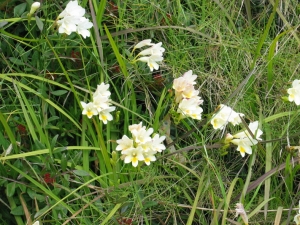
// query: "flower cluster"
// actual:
[[151, 55], [141, 147], [100, 104], [224, 116], [72, 20], [244, 139], [187, 97], [294, 92]]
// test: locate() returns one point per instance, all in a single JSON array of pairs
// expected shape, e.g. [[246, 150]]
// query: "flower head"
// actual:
[[105, 115], [100, 104], [151, 55], [294, 92], [190, 108], [72, 20], [224, 116], [89, 109], [125, 144], [143, 43], [134, 155], [155, 49], [142, 147], [72, 9], [152, 61], [244, 140], [157, 143], [83, 26]]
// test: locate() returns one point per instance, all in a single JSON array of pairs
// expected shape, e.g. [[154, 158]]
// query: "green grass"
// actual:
[[245, 56]]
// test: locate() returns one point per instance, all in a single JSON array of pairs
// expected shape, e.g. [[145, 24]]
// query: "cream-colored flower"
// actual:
[[124, 144], [146, 42], [105, 115], [72, 20], [190, 108], [152, 61], [253, 127], [155, 49], [134, 155], [224, 116], [294, 92], [149, 157], [89, 109], [244, 140], [142, 136]]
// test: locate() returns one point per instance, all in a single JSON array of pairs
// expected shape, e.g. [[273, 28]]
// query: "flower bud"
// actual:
[[34, 7]]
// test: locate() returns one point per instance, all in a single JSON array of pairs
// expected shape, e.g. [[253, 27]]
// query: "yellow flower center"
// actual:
[[104, 117], [89, 113], [243, 150]]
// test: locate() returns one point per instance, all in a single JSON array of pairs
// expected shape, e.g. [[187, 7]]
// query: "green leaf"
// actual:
[[10, 189], [22, 187], [39, 23], [19, 10], [18, 211], [81, 173], [64, 162], [59, 92], [149, 204], [16, 61], [34, 195]]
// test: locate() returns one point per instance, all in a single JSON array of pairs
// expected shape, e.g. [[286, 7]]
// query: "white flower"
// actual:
[[190, 77], [152, 61], [72, 9], [142, 136], [72, 20], [156, 143], [102, 90], [101, 102], [294, 92], [244, 145], [155, 49], [225, 115], [124, 144], [189, 92], [297, 217], [136, 127], [36, 223], [34, 7], [143, 43], [253, 127], [244, 140], [83, 26], [105, 115], [190, 108], [67, 25], [141, 147], [184, 86], [89, 109], [149, 157], [134, 155]]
